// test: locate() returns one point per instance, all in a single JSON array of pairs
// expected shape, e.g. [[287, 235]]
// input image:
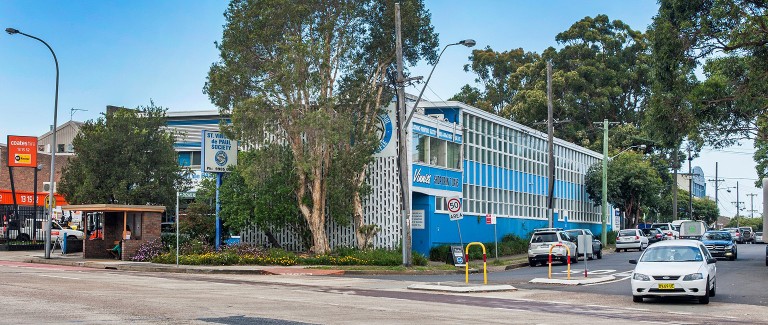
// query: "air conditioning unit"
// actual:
[[47, 187]]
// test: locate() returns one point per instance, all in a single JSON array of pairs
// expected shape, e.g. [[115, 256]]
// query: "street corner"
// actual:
[[461, 287], [573, 280]]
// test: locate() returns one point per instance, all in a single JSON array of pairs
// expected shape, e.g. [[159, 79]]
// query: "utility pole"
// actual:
[[717, 188], [674, 182], [751, 204], [405, 191], [551, 147], [690, 184], [737, 204], [604, 231]]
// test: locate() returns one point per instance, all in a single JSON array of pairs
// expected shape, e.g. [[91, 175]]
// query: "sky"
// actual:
[[131, 53]]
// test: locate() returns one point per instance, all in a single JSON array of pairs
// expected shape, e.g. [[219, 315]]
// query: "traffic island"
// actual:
[[461, 287], [573, 280]]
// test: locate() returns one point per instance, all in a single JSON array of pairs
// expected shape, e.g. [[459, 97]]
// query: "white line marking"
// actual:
[[606, 282]]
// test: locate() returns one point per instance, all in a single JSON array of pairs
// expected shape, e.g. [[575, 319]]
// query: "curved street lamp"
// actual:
[[51, 198], [467, 43]]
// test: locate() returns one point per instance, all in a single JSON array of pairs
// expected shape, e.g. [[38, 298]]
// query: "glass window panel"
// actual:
[[420, 147]]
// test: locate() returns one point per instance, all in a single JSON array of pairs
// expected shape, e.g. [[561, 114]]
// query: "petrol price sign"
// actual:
[[22, 151]]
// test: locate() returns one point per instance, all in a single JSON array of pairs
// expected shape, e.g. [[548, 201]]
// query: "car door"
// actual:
[[711, 267]]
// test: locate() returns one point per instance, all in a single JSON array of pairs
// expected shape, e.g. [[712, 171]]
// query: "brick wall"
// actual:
[[113, 229]]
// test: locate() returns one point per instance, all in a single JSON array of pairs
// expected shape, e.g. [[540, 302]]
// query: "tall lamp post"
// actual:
[[403, 122], [604, 234], [51, 198]]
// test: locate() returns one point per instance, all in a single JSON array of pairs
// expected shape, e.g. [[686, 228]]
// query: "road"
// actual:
[[38, 293], [744, 281]]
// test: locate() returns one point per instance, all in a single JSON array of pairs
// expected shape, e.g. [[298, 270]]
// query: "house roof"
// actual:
[[114, 208]]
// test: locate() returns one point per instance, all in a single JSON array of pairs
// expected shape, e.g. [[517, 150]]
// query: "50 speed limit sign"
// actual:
[[454, 207]]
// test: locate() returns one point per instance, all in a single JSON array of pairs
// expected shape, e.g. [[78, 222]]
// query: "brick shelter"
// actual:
[[107, 224]]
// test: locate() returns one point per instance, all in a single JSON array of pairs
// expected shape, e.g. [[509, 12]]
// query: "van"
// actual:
[[692, 229]]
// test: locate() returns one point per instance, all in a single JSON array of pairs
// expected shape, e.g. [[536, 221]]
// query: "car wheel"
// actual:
[[22, 237], [71, 237], [591, 256], [531, 263], [637, 298], [618, 250], [714, 289], [600, 254], [705, 298], [575, 260]]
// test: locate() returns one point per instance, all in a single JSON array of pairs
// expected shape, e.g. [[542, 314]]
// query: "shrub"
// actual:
[[149, 250], [441, 253]]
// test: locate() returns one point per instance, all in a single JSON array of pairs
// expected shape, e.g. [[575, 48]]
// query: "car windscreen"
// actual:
[[545, 237], [662, 226], [716, 236], [672, 254], [631, 232]]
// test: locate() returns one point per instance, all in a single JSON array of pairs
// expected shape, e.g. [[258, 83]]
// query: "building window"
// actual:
[[454, 157], [420, 148]]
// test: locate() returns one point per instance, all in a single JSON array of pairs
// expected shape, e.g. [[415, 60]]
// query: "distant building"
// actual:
[[699, 189]]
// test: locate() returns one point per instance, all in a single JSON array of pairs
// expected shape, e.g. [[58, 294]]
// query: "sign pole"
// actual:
[[218, 208], [460, 240], [496, 240], [177, 229]]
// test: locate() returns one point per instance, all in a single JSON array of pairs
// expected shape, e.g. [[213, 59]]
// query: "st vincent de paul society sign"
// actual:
[[218, 152]]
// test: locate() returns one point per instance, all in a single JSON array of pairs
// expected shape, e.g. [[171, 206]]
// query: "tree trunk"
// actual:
[[357, 217]]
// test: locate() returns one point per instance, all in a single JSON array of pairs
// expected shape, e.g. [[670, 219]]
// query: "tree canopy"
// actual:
[[309, 75], [124, 157]]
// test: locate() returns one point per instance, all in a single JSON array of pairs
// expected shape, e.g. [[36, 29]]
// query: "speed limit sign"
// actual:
[[454, 205]]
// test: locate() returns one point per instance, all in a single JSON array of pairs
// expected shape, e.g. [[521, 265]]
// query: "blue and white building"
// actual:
[[496, 166]]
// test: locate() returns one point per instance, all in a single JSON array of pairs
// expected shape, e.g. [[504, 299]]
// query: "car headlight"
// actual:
[[693, 276], [729, 247], [640, 277]]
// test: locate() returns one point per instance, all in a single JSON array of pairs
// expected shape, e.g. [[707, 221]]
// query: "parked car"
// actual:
[[597, 245], [25, 232], [747, 235], [735, 233], [766, 255], [654, 235], [675, 268], [631, 239], [668, 229], [759, 237], [543, 239], [720, 244]]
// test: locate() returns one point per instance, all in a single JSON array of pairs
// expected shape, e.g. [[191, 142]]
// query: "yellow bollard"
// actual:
[[485, 272], [568, 260]]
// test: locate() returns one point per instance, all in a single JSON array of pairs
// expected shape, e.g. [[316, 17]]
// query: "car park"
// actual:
[[654, 235], [759, 237], [675, 268], [542, 242], [668, 228], [631, 239], [720, 244], [597, 245]]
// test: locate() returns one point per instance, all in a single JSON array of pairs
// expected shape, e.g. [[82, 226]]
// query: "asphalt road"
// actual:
[[744, 281], [56, 294]]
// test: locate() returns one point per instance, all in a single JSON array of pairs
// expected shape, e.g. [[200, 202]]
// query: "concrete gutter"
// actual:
[[461, 287], [574, 280]]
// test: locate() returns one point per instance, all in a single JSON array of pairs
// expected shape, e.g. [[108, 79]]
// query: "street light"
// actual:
[[404, 163], [604, 234], [51, 198]]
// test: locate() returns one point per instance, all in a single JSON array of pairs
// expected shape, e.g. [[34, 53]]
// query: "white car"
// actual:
[[631, 239], [554, 240], [668, 228], [759, 237], [675, 268]]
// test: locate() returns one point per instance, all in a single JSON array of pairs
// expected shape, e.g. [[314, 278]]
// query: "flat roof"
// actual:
[[114, 208]]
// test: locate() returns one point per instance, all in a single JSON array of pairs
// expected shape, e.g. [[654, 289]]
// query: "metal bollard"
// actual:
[[63, 244]]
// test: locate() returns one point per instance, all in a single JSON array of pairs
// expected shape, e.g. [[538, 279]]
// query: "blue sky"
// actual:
[[127, 53]]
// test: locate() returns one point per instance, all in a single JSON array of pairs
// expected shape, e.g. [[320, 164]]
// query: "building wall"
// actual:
[[24, 176], [502, 172]]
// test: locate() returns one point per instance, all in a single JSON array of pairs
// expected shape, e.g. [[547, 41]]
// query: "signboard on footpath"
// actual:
[[218, 152], [22, 151]]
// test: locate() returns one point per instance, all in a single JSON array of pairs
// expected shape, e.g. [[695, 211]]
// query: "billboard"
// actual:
[[22, 151], [218, 152]]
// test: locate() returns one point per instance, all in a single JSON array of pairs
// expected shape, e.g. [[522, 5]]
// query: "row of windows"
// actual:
[[436, 152], [496, 145]]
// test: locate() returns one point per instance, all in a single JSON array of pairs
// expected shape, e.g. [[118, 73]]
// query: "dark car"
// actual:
[[654, 235], [597, 245], [720, 244]]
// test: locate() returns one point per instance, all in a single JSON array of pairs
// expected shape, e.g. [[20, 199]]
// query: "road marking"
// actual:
[[57, 276], [606, 282]]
